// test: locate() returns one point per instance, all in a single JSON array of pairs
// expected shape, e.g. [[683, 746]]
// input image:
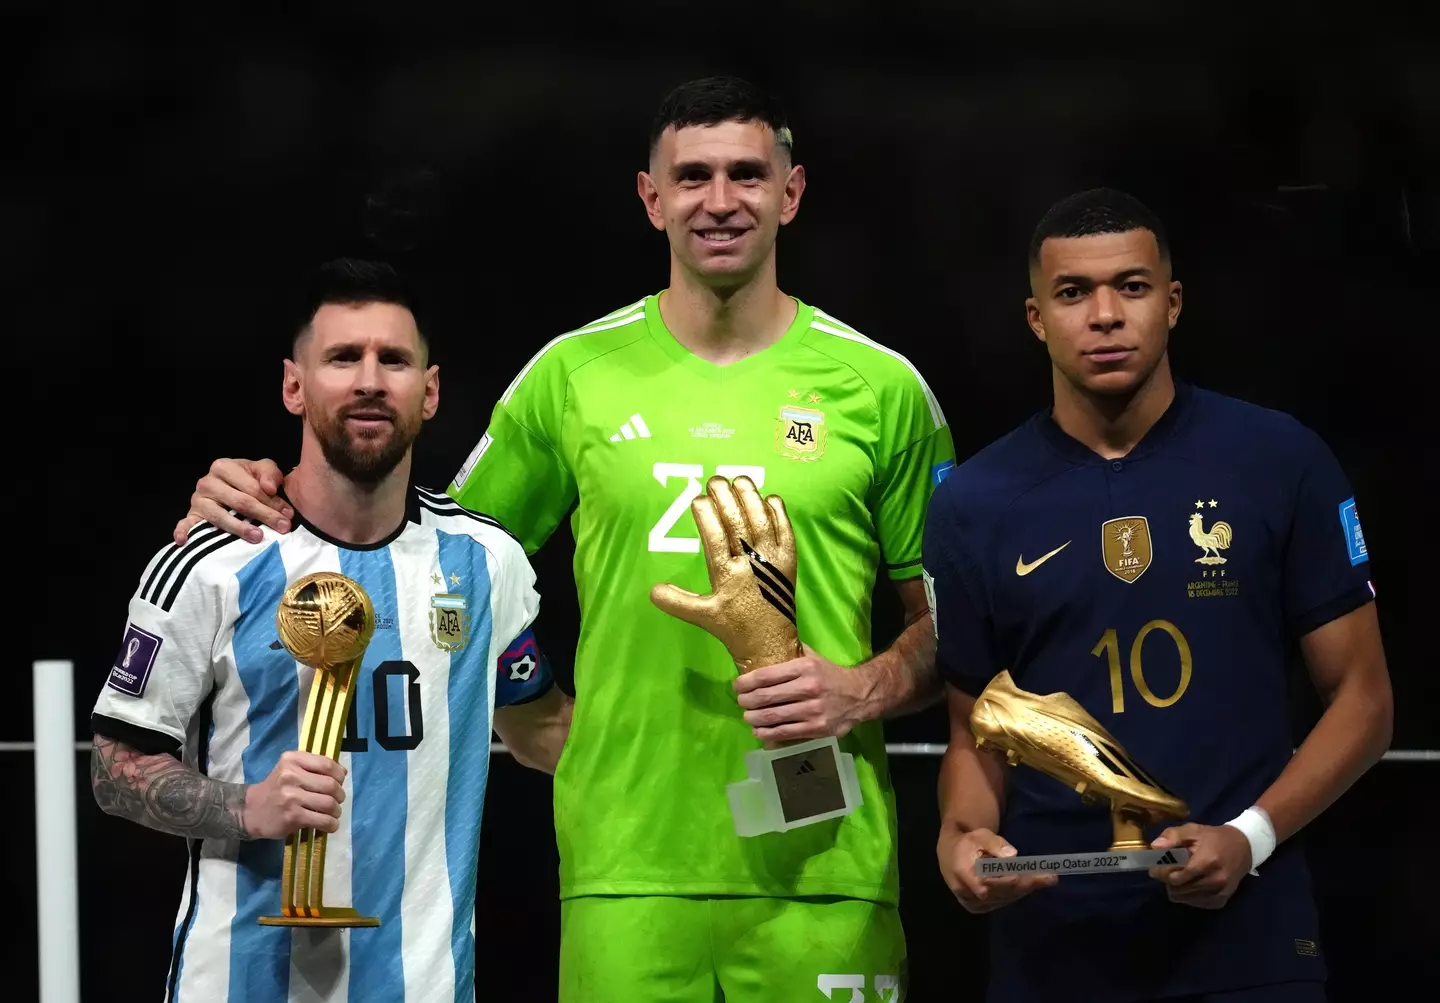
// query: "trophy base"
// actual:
[[330, 916], [1106, 862], [794, 786]]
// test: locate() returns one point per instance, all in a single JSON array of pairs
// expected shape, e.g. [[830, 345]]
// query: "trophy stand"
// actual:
[[1056, 736], [302, 890]]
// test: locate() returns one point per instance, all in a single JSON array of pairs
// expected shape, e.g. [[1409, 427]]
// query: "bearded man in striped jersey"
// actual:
[[197, 729]]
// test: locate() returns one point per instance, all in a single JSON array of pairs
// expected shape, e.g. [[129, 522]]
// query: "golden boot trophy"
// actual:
[[1058, 737], [749, 549], [326, 620]]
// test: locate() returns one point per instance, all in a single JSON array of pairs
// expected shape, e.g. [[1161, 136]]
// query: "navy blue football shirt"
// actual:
[[1164, 591]]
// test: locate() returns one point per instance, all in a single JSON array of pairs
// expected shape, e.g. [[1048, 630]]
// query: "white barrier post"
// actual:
[[56, 859]]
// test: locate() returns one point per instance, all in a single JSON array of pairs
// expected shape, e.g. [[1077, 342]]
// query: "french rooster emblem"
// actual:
[[1216, 540]]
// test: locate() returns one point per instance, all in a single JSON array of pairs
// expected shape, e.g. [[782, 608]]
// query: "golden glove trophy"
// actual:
[[1058, 737], [749, 551], [326, 621]]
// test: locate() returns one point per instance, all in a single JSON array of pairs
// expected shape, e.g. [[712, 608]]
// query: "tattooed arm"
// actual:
[[163, 793], [159, 791]]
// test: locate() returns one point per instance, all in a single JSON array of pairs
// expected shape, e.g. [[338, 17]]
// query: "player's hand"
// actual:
[[304, 791], [1219, 858], [958, 850], [249, 487], [749, 550], [806, 697]]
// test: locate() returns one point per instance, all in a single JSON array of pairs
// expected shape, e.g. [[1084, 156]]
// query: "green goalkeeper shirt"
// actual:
[[620, 422]]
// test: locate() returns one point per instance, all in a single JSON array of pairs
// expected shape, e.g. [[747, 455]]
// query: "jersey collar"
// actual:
[[804, 315], [412, 515], [1159, 434]]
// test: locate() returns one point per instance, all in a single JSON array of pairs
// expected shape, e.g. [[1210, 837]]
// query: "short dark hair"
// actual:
[[356, 282], [712, 100], [1093, 212]]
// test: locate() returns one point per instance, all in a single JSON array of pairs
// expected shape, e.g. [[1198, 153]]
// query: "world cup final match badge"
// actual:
[[1212, 540], [800, 431]]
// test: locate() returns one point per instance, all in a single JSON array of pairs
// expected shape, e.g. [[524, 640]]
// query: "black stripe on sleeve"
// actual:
[[179, 580], [155, 571], [196, 541], [428, 506]]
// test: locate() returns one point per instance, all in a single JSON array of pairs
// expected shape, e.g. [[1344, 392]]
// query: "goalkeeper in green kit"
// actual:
[[627, 420]]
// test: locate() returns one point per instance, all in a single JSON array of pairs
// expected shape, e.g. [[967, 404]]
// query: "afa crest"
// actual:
[[1125, 544], [449, 622], [800, 433]]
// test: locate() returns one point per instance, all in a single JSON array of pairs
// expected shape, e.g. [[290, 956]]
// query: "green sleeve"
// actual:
[[916, 453], [516, 473]]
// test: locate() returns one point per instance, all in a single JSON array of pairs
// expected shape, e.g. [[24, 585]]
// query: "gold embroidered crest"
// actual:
[[1125, 543]]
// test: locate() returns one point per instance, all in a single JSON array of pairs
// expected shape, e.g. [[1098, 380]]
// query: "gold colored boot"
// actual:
[[1058, 737]]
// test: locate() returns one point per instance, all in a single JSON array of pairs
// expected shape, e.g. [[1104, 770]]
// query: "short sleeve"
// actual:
[[164, 664], [959, 610], [514, 605], [522, 672], [1327, 565], [516, 472], [917, 453]]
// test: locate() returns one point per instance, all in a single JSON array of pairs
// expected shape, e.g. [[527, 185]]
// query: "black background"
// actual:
[[169, 174]]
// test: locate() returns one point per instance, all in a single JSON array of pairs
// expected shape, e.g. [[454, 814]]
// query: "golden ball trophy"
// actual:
[[326, 621], [749, 549], [1058, 737]]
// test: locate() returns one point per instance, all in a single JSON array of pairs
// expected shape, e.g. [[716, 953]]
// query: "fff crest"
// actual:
[[800, 433], [449, 622], [1125, 544]]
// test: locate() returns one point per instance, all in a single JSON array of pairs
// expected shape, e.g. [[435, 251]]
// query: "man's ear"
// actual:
[[291, 392]]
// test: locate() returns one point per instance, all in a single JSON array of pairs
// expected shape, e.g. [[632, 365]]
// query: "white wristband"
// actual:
[[1255, 823]]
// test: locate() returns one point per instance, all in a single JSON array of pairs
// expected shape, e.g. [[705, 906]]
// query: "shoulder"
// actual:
[[1268, 435], [445, 515], [563, 354], [991, 480], [888, 373], [208, 561]]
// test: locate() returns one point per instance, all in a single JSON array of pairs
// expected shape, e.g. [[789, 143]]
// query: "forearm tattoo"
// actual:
[[165, 794]]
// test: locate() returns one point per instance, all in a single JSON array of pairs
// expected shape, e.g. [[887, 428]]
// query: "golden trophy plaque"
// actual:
[[1056, 736], [326, 621], [749, 549]]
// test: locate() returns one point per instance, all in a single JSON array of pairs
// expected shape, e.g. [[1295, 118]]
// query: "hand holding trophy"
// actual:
[[326, 621], [749, 549], [1058, 737]]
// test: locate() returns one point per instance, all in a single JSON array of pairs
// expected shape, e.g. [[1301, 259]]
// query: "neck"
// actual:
[[726, 325], [1112, 425], [358, 514]]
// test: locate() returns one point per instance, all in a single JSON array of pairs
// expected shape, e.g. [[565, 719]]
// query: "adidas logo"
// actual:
[[1169, 858], [632, 429], [805, 767]]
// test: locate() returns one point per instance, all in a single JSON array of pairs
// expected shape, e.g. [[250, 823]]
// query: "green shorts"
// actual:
[[659, 949]]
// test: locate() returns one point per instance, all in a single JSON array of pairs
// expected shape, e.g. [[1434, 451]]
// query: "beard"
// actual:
[[365, 456]]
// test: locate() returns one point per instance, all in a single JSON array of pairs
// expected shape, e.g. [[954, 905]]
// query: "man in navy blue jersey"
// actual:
[[1156, 551]]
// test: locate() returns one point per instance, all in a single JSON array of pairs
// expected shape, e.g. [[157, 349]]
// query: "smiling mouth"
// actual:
[[720, 235]]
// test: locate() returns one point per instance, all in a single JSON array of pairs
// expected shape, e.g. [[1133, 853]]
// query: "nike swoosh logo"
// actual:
[[1022, 569]]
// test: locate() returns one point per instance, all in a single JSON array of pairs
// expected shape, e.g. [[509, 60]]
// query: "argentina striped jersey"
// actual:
[[201, 674]]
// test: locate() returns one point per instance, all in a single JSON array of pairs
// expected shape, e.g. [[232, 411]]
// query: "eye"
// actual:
[[397, 359], [1070, 293], [1135, 288]]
